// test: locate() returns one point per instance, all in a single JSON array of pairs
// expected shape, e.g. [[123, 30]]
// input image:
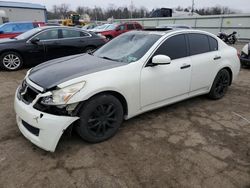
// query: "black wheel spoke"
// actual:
[[94, 125], [109, 108], [92, 120]]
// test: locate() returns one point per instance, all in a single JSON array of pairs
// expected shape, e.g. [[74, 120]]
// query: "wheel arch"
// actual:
[[230, 73], [13, 50], [116, 94]]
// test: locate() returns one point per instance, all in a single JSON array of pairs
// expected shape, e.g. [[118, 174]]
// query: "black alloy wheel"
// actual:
[[220, 85], [100, 118]]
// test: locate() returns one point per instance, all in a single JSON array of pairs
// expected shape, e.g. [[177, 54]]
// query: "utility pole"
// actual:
[[131, 7], [192, 10]]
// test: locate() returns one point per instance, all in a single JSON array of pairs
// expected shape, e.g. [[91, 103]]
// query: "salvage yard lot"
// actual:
[[195, 143]]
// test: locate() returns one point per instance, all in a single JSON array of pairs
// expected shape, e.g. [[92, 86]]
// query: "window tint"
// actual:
[[174, 47], [198, 43], [213, 44], [48, 35], [25, 27], [22, 27], [69, 33], [137, 26], [122, 27], [130, 26]]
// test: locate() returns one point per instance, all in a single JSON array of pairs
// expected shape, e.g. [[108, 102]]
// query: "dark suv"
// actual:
[[115, 30]]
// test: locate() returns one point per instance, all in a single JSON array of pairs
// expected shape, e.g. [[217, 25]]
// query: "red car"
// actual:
[[13, 29], [115, 30]]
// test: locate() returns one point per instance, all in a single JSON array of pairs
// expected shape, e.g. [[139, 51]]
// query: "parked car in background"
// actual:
[[89, 26], [115, 29], [245, 55], [136, 72], [45, 43], [99, 28], [13, 29], [173, 26]]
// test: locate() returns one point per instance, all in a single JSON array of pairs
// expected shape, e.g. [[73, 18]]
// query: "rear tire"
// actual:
[[100, 118], [220, 85], [11, 61]]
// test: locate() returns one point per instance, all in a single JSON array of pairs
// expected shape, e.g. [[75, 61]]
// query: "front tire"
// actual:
[[220, 85], [100, 118], [11, 61]]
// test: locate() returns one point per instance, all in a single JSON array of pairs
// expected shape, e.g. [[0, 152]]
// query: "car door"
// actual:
[[164, 83], [205, 61], [120, 29], [74, 41], [50, 40], [34, 53]]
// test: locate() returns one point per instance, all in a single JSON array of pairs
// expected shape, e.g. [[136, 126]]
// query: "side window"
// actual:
[[83, 34], [198, 43], [174, 47], [25, 27], [213, 44], [122, 27], [8, 28], [137, 26], [48, 35], [130, 27], [69, 33]]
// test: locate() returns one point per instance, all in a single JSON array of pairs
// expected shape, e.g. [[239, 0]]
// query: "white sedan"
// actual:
[[136, 72]]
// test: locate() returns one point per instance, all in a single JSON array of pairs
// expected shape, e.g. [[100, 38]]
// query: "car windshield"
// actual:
[[129, 47], [102, 26], [28, 34], [111, 27]]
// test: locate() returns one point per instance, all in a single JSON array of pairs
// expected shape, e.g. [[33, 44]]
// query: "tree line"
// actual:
[[97, 13]]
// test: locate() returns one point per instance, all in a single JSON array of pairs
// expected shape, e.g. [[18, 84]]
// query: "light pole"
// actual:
[[192, 10]]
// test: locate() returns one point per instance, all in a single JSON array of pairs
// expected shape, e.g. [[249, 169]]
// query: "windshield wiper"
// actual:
[[108, 58]]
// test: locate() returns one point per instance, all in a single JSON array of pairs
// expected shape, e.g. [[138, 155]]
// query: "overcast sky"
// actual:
[[242, 5]]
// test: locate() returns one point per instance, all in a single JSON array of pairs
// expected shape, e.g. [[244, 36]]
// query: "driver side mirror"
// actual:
[[35, 40], [161, 60], [118, 29], [1, 32]]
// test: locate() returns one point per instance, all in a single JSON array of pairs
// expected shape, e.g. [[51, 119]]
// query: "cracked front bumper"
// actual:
[[42, 129]]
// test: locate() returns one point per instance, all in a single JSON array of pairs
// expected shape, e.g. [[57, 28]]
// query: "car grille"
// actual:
[[35, 131], [27, 93]]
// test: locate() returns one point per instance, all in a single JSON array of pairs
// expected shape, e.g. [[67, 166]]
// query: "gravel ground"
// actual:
[[195, 143]]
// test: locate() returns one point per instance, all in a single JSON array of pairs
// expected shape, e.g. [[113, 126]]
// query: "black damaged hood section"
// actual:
[[55, 72]]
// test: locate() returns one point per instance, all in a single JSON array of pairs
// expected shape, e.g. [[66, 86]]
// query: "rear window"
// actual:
[[137, 26], [130, 26], [213, 44], [198, 43]]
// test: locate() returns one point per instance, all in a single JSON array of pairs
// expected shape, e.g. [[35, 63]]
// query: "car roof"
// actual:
[[59, 27], [179, 31], [18, 22]]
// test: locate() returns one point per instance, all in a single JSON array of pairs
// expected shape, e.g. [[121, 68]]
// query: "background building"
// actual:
[[16, 11]]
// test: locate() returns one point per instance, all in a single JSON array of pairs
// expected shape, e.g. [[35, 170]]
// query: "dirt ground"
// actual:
[[195, 143]]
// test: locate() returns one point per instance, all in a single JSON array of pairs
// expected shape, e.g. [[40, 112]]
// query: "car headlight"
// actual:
[[63, 95]]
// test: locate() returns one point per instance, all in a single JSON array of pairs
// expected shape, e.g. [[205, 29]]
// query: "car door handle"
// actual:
[[217, 57], [185, 66]]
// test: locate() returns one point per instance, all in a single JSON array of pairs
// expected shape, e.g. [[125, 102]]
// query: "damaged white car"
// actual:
[[134, 73]]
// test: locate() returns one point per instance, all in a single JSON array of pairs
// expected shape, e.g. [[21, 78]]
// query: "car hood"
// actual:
[[8, 40], [54, 72]]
